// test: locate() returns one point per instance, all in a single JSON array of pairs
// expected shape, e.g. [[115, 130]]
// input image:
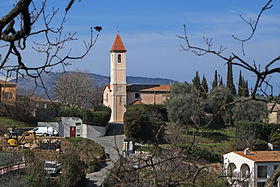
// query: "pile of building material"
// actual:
[[53, 144]]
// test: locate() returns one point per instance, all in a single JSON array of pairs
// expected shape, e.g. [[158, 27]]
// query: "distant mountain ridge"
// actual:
[[27, 84]]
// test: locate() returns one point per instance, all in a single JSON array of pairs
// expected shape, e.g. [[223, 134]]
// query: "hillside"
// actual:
[[28, 84]]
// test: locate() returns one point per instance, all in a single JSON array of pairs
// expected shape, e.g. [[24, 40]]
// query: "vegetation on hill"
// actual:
[[8, 122], [100, 116], [142, 123]]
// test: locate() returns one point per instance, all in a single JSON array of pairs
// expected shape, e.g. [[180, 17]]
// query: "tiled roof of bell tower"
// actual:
[[118, 44]]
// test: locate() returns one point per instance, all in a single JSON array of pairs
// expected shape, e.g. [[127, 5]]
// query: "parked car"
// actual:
[[52, 167], [45, 131]]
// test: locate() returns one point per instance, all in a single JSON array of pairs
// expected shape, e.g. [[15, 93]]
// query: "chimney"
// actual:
[[270, 146], [247, 151]]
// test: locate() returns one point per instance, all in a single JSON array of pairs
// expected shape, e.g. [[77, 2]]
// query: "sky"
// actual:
[[149, 30]]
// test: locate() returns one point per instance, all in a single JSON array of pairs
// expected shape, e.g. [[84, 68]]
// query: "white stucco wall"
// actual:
[[239, 160], [71, 121], [95, 131]]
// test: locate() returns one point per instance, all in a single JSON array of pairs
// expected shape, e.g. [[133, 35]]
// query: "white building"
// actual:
[[253, 168]]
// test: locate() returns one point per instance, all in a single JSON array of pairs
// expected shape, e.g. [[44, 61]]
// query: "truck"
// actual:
[[52, 167], [45, 131]]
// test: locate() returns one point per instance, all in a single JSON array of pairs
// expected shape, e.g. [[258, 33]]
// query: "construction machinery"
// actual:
[[15, 141]]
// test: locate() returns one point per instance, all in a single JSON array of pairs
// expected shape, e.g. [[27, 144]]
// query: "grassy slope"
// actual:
[[7, 122], [217, 142], [90, 152]]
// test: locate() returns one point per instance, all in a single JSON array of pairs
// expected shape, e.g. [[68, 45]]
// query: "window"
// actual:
[[78, 124], [107, 97], [275, 167], [78, 132], [119, 58], [260, 184], [245, 170], [137, 96], [119, 88], [262, 172], [7, 95], [45, 105]]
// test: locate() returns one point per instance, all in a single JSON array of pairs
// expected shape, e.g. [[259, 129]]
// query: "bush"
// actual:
[[205, 154], [100, 116], [142, 123], [73, 169], [248, 133]]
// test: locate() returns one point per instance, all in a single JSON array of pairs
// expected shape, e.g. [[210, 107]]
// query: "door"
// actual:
[[72, 131]]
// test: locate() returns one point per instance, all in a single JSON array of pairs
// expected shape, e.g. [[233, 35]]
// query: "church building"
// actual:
[[118, 95]]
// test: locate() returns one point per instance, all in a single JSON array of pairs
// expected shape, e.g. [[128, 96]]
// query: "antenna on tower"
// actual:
[[118, 29]]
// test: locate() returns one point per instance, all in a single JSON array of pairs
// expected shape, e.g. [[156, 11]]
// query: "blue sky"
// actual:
[[148, 29]]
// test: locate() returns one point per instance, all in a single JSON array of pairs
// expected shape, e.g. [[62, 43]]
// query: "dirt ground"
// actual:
[[42, 154]]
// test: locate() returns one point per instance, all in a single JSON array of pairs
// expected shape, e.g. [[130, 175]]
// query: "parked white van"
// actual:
[[45, 131]]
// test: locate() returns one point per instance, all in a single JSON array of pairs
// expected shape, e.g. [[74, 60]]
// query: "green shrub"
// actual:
[[142, 123], [100, 116], [205, 154], [71, 112], [248, 133], [73, 170]]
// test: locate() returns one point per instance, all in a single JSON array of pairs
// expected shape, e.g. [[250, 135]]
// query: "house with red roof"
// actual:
[[118, 95], [7, 92], [250, 168]]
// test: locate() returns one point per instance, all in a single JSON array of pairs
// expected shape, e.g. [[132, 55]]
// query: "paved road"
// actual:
[[109, 143]]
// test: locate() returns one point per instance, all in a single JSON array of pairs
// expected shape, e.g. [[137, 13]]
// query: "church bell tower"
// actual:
[[118, 80]]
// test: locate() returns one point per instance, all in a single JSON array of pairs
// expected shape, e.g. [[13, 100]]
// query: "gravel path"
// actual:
[[108, 142]]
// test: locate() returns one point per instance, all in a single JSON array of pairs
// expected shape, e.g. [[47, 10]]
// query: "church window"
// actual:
[[137, 96], [107, 97], [119, 58]]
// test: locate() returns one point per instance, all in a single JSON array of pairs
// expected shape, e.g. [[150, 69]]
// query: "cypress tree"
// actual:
[[221, 82], [215, 81], [246, 89], [240, 85], [230, 84], [204, 85], [196, 81]]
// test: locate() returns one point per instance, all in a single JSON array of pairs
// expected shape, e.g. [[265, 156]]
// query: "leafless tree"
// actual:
[[97, 96], [263, 74], [74, 89], [20, 28]]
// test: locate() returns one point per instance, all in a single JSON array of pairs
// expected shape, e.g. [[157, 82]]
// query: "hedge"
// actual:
[[142, 123], [100, 116], [255, 131]]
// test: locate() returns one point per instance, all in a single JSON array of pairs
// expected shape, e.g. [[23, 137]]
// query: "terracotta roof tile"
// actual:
[[261, 156], [276, 107], [137, 102], [148, 88], [7, 84], [118, 44], [107, 85]]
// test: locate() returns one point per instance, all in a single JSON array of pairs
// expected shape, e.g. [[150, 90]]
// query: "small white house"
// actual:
[[74, 127], [251, 168]]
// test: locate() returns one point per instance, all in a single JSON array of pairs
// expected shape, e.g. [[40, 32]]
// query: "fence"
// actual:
[[12, 167]]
